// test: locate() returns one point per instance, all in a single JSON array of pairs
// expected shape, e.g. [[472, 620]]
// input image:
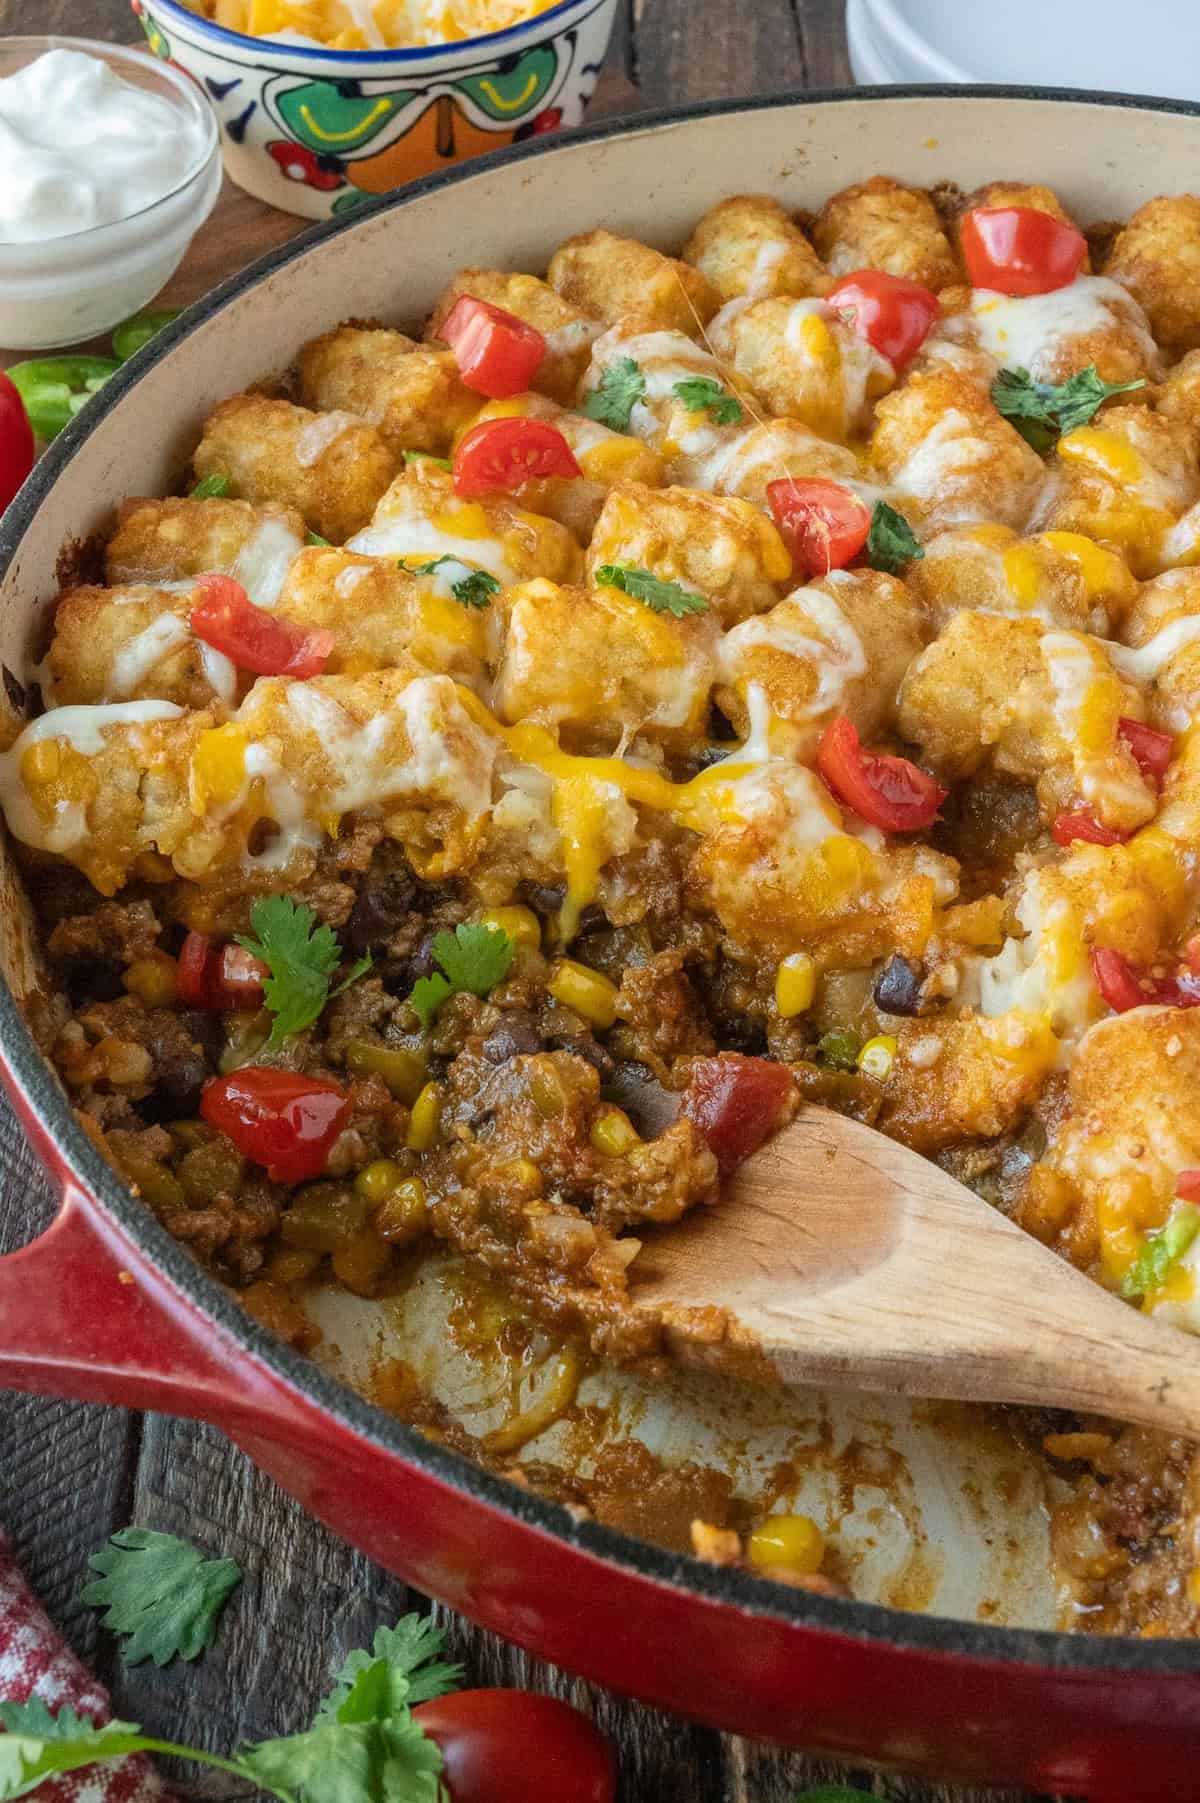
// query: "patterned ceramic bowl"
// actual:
[[318, 131]]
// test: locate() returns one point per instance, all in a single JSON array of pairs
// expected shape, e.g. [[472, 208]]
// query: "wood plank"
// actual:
[[747, 49]]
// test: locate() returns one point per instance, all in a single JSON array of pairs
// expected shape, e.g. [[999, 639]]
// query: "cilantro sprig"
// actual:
[[891, 542], [659, 596], [441, 463], [1162, 1251], [211, 488], [621, 387], [472, 590], [301, 957], [700, 394], [1043, 411], [364, 1745], [314, 538], [162, 1595], [475, 958]]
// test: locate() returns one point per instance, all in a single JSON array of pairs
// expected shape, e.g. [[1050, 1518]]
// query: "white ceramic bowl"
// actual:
[[318, 132], [65, 290]]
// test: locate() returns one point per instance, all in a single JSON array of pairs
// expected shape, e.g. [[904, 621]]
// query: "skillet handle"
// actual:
[[84, 1315]]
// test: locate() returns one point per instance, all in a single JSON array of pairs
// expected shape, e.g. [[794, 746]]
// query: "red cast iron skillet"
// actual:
[[106, 1307]]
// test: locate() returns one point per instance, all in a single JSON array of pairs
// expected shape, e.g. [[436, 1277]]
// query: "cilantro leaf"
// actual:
[[659, 596], [441, 463], [622, 386], [475, 590], [302, 957], [408, 1653], [314, 538], [891, 542], [700, 394], [36, 1744], [839, 1050], [210, 488], [475, 958], [1161, 1251], [1042, 411], [161, 1593], [427, 568]]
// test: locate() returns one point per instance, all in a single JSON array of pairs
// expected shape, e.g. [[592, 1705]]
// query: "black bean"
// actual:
[[379, 910], [586, 1046], [898, 987], [515, 1035]]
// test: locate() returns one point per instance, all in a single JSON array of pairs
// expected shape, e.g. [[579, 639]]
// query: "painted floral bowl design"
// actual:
[[318, 131]]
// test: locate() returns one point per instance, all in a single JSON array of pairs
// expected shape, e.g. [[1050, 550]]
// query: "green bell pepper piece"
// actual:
[[53, 389], [133, 333]]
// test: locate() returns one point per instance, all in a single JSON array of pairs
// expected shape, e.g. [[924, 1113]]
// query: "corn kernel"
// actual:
[[521, 924], [291, 1264], [377, 1180], [587, 992], [152, 980], [614, 1134], [878, 1056], [401, 1069], [546, 1090], [792, 1540], [404, 1214], [795, 984], [425, 1119], [522, 1174]]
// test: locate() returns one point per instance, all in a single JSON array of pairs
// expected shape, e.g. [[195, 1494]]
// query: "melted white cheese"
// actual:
[[836, 657], [138, 655], [264, 560], [83, 728], [1147, 662], [315, 437], [1030, 331], [413, 536]]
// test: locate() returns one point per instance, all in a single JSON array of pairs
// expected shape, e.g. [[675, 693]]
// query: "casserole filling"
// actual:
[[545, 752]]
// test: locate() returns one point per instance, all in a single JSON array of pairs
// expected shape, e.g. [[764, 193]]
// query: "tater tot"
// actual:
[[605, 457], [414, 395], [1179, 395], [331, 467], [748, 245], [610, 277], [132, 643], [692, 443], [841, 645], [948, 455], [1129, 477], [762, 454], [599, 664], [1060, 578], [167, 541], [805, 362], [1161, 638], [568, 330], [879, 224], [1045, 704], [1157, 257], [421, 517], [721, 548], [1091, 322]]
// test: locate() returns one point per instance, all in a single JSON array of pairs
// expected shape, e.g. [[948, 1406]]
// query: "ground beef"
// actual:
[[660, 1017], [114, 932]]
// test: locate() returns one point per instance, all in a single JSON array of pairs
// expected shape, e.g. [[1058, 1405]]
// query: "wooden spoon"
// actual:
[[847, 1260]]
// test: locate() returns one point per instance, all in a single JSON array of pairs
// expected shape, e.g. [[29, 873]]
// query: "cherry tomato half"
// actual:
[[893, 315], [504, 454], [1187, 1186], [888, 792], [497, 353], [737, 1103], [1152, 751], [219, 978], [1020, 250], [514, 1746], [16, 442], [1081, 823], [227, 619], [822, 523], [278, 1118]]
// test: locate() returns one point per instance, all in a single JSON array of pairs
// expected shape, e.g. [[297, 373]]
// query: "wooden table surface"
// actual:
[[70, 1475]]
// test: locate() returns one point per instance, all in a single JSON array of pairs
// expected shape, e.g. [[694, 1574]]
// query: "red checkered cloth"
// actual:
[[36, 1662]]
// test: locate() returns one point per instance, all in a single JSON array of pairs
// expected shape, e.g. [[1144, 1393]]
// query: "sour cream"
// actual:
[[82, 147]]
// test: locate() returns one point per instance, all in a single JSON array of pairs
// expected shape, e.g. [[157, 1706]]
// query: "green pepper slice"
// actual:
[[133, 333], [53, 389]]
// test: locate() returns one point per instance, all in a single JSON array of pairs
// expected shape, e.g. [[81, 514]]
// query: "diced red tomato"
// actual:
[[227, 619], [823, 524], [893, 314], [1081, 823], [497, 353], [16, 441], [219, 978], [1020, 250], [1187, 1186], [737, 1103], [889, 792], [1151, 750], [280, 1119], [514, 1746], [501, 455], [1124, 985]]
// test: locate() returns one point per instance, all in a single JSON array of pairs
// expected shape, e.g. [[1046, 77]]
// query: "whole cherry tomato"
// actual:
[[514, 1746], [823, 524], [737, 1103], [889, 792], [1152, 750], [893, 315], [16, 442], [501, 455], [1020, 250], [227, 619], [278, 1118], [497, 353]]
